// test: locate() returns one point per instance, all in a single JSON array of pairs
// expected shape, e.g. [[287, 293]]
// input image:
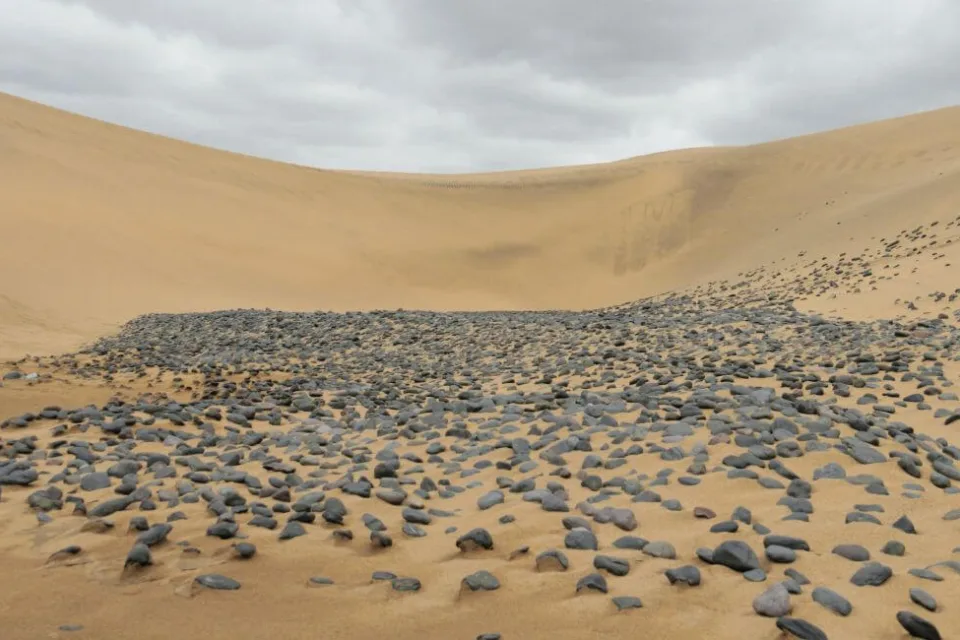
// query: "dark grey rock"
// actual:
[[217, 581], [832, 600], [871, 574], [736, 555]]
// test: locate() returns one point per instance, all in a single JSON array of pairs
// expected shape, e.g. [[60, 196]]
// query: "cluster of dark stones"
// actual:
[[736, 384]]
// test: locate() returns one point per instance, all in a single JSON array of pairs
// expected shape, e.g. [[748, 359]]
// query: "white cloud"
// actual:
[[426, 85]]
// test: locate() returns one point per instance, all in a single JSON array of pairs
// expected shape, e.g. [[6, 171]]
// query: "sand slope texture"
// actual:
[[100, 223], [708, 393]]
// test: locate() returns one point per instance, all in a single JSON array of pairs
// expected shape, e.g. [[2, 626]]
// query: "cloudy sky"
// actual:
[[471, 85]]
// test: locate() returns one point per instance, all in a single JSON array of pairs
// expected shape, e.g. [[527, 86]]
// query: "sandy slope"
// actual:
[[100, 223]]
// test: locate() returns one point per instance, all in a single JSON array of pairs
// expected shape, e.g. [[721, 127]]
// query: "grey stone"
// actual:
[[736, 555], [774, 602], [871, 574], [832, 600]]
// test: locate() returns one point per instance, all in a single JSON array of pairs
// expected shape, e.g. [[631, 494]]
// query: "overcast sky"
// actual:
[[471, 85]]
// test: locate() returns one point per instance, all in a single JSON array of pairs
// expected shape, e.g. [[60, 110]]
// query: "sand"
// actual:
[[100, 224]]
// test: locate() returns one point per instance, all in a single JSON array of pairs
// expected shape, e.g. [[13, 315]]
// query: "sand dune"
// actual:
[[101, 223], [757, 342]]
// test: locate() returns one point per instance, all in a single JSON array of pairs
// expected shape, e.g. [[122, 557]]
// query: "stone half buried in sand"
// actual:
[[479, 581], [474, 540], [217, 582]]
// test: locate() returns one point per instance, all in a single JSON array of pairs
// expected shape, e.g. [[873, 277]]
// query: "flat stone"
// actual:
[[924, 599], [832, 600], [918, 627], [490, 499], [925, 574], [853, 552], [800, 629], [581, 539], [592, 582], [872, 574], [552, 560], [755, 575], [611, 564], [405, 585], [783, 555], [481, 581], [687, 574], [217, 581], [736, 555], [475, 539], [624, 603], [660, 549]]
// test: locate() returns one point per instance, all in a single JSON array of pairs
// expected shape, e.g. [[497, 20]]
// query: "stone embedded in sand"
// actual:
[[139, 556], [624, 603], [405, 584], [475, 539], [592, 582], [783, 555], [917, 627], [773, 603], [155, 535], [224, 530], [379, 576], [858, 516], [742, 514], [552, 560], [800, 629], [904, 524], [687, 574], [490, 499], [292, 530], [244, 550], [634, 543], [481, 581], [65, 554], [416, 516], [581, 539], [736, 555], [925, 574], [725, 526], [790, 542], [395, 497], [380, 540], [217, 582], [611, 564], [94, 481], [832, 600], [660, 549], [755, 575], [109, 507], [894, 548], [872, 574], [922, 598], [853, 552]]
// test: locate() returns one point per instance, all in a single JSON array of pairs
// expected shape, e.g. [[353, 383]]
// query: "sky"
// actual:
[[468, 85]]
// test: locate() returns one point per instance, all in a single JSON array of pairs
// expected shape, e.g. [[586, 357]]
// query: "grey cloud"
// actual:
[[425, 85]]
